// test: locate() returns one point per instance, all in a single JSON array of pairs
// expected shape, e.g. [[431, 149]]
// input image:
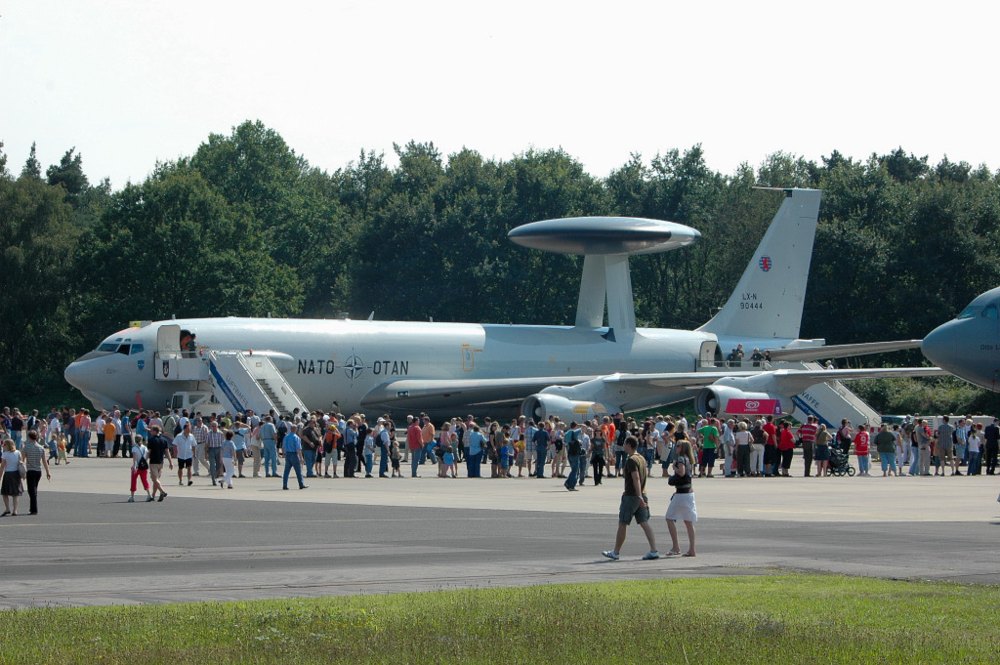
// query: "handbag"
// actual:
[[22, 470]]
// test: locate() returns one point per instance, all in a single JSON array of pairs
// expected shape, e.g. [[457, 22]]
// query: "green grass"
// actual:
[[763, 619]]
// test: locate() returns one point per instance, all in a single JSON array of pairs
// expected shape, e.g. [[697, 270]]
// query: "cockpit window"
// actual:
[[971, 312], [990, 312], [108, 346], [137, 348], [124, 349]]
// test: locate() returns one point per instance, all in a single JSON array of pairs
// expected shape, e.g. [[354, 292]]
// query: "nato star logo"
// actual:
[[354, 367]]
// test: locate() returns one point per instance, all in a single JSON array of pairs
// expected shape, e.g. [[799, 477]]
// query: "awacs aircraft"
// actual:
[[445, 369], [968, 346]]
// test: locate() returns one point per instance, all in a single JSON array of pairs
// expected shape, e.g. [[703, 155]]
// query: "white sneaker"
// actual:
[[611, 554], [650, 555]]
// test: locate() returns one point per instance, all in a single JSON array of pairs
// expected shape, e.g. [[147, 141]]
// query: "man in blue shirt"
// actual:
[[474, 451], [268, 436], [577, 457], [292, 445], [382, 440]]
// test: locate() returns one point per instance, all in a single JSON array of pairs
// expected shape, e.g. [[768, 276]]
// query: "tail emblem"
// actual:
[[765, 263]]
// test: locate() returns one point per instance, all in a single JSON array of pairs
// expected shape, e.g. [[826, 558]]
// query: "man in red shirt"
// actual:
[[414, 442], [771, 457], [786, 447], [807, 433]]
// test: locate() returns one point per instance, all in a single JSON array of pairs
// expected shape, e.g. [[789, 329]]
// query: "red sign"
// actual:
[[753, 407]]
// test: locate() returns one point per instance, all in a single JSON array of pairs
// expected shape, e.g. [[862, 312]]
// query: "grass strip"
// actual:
[[786, 618]]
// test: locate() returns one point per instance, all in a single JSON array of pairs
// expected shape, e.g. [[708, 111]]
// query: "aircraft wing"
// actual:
[[842, 350], [446, 392], [791, 381]]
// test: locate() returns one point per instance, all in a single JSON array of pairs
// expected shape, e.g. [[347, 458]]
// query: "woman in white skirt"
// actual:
[[682, 507]]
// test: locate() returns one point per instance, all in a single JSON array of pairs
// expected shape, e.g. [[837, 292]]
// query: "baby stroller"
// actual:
[[840, 462]]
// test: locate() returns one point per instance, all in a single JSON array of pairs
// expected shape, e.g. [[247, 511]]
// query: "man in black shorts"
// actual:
[[159, 447], [634, 502], [183, 447]]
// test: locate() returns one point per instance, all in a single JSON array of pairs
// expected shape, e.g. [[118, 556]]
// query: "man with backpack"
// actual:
[[573, 440]]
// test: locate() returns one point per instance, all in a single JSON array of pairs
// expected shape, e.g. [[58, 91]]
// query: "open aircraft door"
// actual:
[[708, 355], [172, 364], [168, 341]]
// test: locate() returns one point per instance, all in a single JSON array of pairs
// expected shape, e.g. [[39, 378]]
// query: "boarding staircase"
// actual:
[[243, 380], [831, 402]]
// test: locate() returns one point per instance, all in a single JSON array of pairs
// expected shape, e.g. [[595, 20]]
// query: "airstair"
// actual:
[[831, 402], [243, 380]]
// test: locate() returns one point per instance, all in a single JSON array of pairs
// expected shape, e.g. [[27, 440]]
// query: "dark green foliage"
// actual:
[[38, 306], [32, 168], [68, 174], [174, 245], [246, 226]]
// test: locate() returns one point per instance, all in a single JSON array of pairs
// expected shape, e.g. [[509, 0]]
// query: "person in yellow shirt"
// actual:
[[109, 433]]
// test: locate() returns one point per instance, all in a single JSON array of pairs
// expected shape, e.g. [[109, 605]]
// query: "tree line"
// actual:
[[245, 226]]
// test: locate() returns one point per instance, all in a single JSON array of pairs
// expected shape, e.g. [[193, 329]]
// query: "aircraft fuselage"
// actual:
[[339, 362]]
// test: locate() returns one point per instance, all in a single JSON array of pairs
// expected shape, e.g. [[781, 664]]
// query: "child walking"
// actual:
[[394, 457]]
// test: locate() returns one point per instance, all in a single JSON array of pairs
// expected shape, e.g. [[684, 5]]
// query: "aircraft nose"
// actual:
[[75, 374], [940, 345]]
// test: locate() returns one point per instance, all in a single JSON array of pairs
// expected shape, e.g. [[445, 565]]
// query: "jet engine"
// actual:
[[715, 397], [541, 405]]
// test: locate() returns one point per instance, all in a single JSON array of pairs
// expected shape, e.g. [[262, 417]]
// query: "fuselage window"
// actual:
[[124, 349], [990, 312], [137, 348]]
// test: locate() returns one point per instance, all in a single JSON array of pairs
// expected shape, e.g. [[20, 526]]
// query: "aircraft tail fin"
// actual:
[[767, 302]]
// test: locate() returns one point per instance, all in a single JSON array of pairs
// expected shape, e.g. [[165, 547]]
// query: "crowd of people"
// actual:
[[330, 445]]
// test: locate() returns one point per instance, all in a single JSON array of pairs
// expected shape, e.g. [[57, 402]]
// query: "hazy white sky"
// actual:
[[129, 83]]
